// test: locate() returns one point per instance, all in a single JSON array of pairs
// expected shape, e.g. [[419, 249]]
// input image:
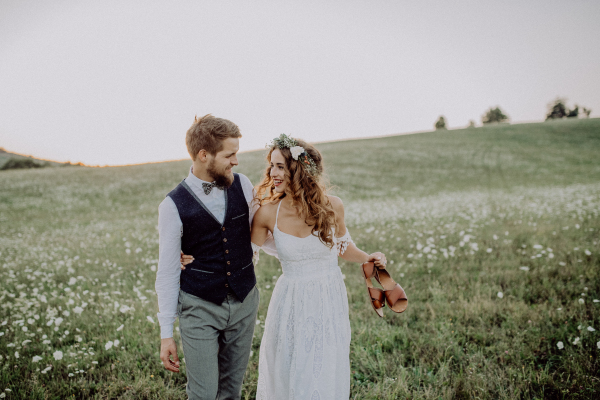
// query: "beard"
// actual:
[[221, 178]]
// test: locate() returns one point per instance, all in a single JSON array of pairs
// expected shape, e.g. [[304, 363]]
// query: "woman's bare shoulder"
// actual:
[[266, 212], [336, 203]]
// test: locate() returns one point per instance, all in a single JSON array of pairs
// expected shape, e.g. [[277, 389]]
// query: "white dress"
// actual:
[[305, 349]]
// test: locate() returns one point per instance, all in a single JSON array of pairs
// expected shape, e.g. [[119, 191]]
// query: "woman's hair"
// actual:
[[308, 191]]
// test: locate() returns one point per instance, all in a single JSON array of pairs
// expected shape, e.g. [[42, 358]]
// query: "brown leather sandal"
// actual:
[[376, 295], [394, 294]]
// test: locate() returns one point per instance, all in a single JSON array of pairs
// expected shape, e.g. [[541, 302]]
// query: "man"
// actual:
[[208, 216]]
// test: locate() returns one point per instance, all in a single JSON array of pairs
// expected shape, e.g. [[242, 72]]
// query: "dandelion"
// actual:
[[500, 295], [120, 328], [560, 345], [36, 359], [58, 355], [108, 345], [150, 319]]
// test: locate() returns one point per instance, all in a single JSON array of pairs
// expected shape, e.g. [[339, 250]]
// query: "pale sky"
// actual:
[[117, 82]]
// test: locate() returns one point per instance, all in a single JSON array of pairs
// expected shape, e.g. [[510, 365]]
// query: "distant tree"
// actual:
[[587, 112], [494, 115], [574, 113], [440, 123], [558, 109], [471, 124]]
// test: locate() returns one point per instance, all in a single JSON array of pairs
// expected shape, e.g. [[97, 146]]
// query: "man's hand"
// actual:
[[185, 260], [168, 348], [379, 259]]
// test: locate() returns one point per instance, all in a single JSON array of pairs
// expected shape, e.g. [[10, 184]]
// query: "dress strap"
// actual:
[[277, 215]]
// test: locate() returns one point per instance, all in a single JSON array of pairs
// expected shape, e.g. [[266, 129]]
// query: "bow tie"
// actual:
[[207, 187]]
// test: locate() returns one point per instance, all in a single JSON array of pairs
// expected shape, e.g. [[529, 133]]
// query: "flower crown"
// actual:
[[298, 152]]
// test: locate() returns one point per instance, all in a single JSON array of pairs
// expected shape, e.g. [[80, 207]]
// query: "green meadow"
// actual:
[[493, 232]]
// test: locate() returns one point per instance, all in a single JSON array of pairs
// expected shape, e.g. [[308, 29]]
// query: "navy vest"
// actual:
[[222, 253]]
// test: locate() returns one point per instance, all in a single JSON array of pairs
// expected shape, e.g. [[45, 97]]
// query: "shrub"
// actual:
[[22, 163]]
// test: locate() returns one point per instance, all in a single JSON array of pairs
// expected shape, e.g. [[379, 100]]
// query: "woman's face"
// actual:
[[278, 171]]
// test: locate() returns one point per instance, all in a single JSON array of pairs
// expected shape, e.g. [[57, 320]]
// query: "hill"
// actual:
[[10, 160], [493, 232]]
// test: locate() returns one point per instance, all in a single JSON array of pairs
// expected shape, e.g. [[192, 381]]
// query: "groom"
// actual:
[[208, 216]]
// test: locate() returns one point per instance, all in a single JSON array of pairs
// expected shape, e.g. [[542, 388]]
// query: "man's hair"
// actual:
[[208, 133]]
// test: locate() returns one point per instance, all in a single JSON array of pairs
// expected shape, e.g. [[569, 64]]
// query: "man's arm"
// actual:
[[167, 279]]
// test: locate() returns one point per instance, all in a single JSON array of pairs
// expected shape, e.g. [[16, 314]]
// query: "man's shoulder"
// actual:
[[244, 180]]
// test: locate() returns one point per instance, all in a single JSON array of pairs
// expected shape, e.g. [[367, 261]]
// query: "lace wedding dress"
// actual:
[[304, 353]]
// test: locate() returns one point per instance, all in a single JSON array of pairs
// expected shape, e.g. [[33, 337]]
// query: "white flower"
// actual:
[[524, 268], [78, 310], [598, 344], [150, 319], [120, 328], [576, 340], [296, 151], [58, 321], [500, 295], [16, 354], [108, 345], [36, 359], [560, 345], [581, 301], [590, 329], [58, 355], [72, 281], [116, 342]]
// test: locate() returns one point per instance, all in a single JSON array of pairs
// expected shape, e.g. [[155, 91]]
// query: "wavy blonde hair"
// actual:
[[308, 192]]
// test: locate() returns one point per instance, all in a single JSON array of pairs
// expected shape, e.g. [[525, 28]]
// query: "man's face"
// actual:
[[219, 165]]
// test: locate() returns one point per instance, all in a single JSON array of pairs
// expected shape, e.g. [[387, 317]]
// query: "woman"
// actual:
[[304, 353]]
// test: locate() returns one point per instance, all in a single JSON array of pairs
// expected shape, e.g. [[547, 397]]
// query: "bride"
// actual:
[[304, 353]]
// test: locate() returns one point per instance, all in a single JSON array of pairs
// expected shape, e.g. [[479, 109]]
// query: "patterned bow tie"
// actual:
[[207, 187]]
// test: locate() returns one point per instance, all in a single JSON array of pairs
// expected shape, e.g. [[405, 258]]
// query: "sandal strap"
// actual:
[[395, 294], [369, 269], [377, 297]]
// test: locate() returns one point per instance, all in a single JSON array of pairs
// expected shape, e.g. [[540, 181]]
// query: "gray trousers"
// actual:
[[217, 340]]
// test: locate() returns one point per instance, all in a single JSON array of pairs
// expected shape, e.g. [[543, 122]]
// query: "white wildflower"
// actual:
[[581, 301], [589, 328], [524, 268], [500, 295], [58, 355], [108, 345], [560, 345], [576, 341], [120, 328], [150, 319], [78, 310], [116, 342], [36, 359]]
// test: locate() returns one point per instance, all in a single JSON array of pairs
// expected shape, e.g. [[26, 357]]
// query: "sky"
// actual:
[[119, 82]]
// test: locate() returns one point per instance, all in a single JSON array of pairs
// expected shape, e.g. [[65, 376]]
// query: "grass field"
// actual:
[[493, 232]]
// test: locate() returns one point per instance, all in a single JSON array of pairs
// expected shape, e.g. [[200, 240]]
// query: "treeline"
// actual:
[[29, 163], [556, 110]]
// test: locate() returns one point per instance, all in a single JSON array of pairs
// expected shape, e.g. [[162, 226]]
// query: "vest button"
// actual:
[[226, 251], [226, 285], [223, 228], [228, 262], [225, 239], [229, 274]]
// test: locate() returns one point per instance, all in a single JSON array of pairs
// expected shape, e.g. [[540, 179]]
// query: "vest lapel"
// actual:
[[189, 189]]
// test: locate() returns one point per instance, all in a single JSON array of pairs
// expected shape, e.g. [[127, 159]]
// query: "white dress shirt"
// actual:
[[170, 230]]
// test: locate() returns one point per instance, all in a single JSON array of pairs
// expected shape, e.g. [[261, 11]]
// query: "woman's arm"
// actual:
[[260, 226], [352, 253]]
